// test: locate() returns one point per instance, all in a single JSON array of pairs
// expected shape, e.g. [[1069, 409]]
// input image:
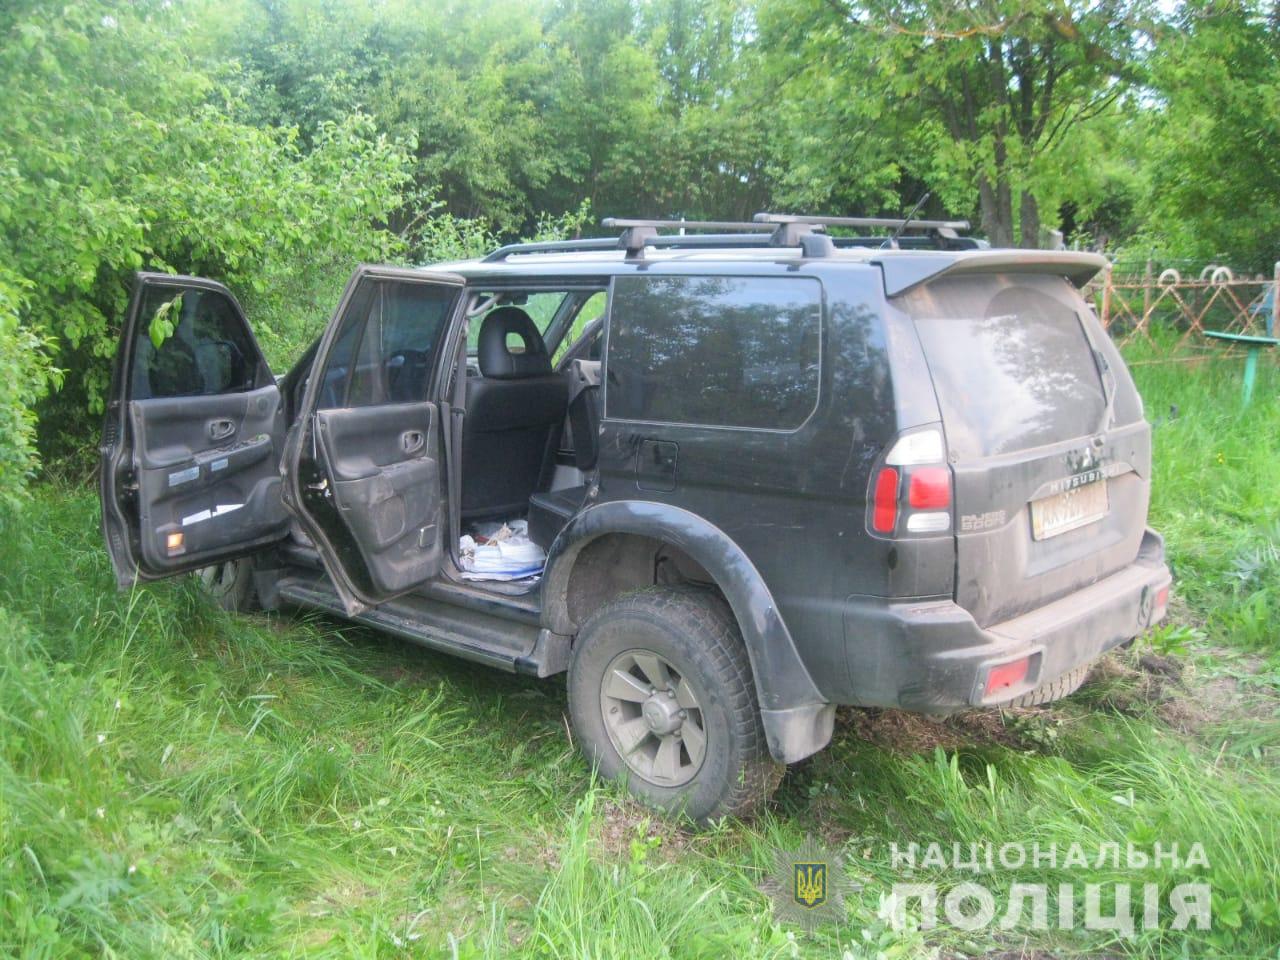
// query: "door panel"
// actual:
[[363, 466], [206, 468], [386, 481], [193, 434]]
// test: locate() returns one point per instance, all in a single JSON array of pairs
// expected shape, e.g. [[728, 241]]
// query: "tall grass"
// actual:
[[176, 782], [1215, 483]]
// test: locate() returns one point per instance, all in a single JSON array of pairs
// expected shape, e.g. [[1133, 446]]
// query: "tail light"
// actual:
[[884, 511], [930, 488], [914, 470]]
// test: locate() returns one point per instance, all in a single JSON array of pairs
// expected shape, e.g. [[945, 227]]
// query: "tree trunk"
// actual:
[[1029, 220], [996, 210]]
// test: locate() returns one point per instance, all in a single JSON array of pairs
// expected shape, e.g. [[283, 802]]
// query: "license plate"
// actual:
[[1071, 510]]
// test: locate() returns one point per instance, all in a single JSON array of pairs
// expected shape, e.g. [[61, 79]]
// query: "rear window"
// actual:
[[1011, 364], [717, 351]]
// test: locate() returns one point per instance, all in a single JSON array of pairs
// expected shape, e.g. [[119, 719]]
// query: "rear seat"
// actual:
[[551, 510]]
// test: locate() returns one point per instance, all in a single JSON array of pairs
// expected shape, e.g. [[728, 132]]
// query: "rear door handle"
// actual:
[[221, 429], [411, 441]]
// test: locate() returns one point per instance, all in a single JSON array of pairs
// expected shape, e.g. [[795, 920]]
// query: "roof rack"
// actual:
[[638, 234], [944, 227], [764, 230]]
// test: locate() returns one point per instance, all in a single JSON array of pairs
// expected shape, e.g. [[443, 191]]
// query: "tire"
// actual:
[[229, 584], [1063, 686], [720, 764]]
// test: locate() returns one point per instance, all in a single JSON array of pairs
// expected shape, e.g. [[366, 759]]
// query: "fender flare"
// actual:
[[798, 721]]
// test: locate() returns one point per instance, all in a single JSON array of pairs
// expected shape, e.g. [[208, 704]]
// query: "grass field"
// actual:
[[176, 782]]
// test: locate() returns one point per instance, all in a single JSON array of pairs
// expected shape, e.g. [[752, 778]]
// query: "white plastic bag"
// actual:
[[506, 554]]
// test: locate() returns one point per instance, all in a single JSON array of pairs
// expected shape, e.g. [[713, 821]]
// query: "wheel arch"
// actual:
[[797, 719]]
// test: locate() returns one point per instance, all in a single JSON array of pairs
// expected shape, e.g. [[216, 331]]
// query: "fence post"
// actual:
[[1146, 294], [1106, 296], [1273, 321]]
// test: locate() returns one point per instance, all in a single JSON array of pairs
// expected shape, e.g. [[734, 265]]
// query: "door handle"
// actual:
[[221, 429], [411, 441]]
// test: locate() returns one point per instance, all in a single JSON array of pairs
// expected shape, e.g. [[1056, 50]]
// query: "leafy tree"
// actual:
[[1214, 145], [990, 103], [122, 154]]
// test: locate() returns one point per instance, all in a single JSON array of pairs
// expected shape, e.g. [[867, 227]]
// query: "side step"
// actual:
[[495, 641]]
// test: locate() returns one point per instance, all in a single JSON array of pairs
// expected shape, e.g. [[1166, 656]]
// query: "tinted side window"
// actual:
[[204, 347], [724, 351], [387, 343]]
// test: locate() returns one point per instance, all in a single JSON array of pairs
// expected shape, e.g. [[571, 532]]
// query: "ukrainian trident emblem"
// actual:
[[808, 886]]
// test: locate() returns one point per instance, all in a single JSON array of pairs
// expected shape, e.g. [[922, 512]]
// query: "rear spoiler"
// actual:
[[903, 273]]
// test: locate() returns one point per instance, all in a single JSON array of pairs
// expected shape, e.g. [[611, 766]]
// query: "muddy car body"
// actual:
[[779, 472]]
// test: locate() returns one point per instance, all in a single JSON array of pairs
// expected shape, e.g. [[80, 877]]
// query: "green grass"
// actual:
[[176, 782]]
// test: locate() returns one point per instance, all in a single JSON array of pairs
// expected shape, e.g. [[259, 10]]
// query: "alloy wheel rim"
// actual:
[[653, 715], [218, 578]]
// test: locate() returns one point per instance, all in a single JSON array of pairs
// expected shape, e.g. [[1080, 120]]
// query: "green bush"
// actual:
[[122, 154]]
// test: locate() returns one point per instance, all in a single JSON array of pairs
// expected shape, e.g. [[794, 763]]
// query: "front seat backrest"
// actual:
[[494, 354], [515, 409]]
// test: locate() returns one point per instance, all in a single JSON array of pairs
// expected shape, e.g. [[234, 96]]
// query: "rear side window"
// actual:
[[191, 343], [719, 351], [1010, 361]]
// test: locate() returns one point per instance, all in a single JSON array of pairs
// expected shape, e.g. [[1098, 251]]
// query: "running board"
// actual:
[[468, 633]]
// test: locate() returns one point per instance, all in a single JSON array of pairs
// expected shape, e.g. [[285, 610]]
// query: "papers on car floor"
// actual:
[[506, 554], [203, 515]]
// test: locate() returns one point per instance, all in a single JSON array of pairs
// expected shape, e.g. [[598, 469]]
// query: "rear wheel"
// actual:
[[661, 696], [229, 584]]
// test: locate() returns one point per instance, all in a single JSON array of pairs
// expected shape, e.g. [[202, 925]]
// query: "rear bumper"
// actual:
[[931, 656]]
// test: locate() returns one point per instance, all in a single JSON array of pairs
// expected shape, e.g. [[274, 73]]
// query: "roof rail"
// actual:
[[551, 246]]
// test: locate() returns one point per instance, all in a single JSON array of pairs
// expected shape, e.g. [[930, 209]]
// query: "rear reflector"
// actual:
[[930, 488], [1007, 674], [884, 516]]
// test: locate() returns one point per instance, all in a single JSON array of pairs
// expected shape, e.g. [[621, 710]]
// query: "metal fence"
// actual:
[[1132, 305]]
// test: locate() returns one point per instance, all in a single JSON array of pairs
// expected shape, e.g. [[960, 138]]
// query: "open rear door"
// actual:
[[363, 464], [192, 437]]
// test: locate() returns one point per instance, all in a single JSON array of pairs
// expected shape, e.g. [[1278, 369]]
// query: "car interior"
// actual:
[[532, 407], [532, 418]]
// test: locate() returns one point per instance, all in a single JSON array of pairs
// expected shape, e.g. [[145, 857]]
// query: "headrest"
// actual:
[[498, 362]]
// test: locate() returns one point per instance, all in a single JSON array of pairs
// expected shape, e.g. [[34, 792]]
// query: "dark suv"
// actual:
[[761, 471]]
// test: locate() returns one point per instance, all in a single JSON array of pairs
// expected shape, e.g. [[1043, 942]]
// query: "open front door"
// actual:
[[192, 437], [364, 463]]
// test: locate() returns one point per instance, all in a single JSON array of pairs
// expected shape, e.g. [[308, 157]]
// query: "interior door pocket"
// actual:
[[391, 504]]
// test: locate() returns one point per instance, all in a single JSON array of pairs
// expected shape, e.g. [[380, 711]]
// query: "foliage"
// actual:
[[124, 155], [25, 376], [991, 104], [273, 144], [1214, 150]]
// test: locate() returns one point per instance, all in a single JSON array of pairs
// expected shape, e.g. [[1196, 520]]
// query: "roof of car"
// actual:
[[903, 269]]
